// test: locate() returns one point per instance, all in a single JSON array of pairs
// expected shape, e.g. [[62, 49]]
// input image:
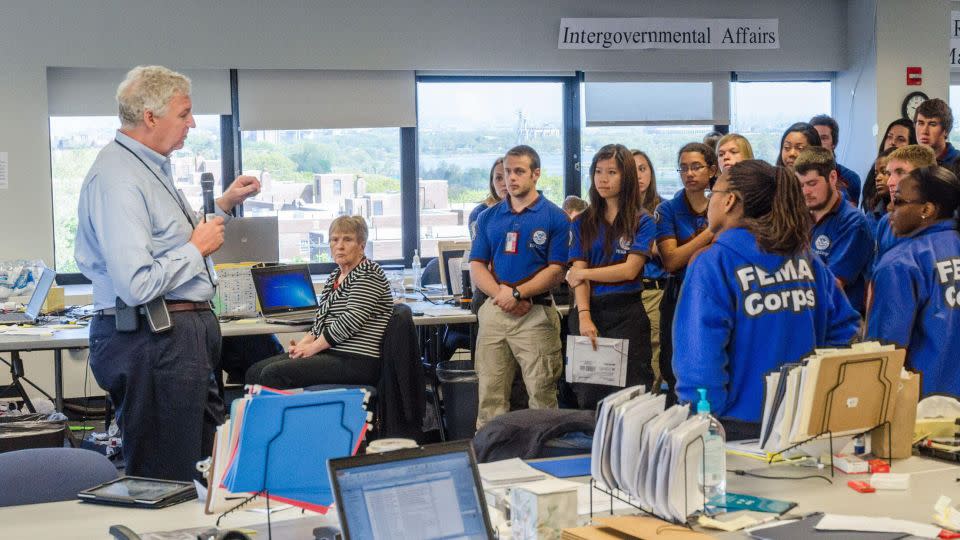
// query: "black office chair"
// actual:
[[399, 398]]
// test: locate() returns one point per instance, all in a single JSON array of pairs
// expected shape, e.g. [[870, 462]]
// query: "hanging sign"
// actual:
[[662, 33]]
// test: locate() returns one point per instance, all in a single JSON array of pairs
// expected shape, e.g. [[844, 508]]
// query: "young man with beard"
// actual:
[[841, 234]]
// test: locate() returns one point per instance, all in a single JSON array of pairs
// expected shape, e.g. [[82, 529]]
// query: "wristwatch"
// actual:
[[516, 294]]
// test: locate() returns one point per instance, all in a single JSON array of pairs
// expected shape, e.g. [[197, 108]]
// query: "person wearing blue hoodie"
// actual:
[[920, 279], [757, 298]]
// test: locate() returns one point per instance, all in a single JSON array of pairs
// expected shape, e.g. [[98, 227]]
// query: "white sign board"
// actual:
[[955, 40], [662, 33]]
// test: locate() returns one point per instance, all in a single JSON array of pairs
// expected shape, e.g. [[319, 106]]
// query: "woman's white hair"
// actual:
[[148, 88]]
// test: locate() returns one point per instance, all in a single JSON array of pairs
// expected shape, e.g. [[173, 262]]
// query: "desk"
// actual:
[[78, 338], [929, 480]]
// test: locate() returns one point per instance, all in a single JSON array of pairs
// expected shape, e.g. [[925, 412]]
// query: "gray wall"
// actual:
[[497, 35]]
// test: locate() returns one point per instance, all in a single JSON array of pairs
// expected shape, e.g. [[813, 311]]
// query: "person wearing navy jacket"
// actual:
[[757, 298], [920, 279], [841, 234], [829, 132], [609, 244], [933, 121], [900, 163], [681, 232], [655, 278], [519, 254]]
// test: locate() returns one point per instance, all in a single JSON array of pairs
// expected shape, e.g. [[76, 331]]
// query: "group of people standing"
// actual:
[[749, 266]]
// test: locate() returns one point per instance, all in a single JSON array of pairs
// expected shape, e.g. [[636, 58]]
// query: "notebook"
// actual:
[[432, 491], [40, 293], [285, 293]]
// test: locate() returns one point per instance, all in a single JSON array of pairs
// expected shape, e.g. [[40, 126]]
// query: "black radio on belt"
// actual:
[[127, 318]]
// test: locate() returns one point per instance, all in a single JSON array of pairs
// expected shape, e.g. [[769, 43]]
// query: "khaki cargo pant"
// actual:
[[651, 304], [505, 341]]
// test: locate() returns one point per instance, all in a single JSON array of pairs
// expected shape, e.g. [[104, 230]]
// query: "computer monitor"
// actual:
[[413, 494], [284, 289]]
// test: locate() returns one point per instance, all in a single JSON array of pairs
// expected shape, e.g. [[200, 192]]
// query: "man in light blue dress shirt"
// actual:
[[138, 240]]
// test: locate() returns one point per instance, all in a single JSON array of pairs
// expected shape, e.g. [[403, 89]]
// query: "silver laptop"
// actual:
[[36, 301], [250, 239], [285, 293]]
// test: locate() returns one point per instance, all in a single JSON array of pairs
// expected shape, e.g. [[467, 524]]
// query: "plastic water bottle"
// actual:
[[714, 479], [416, 270]]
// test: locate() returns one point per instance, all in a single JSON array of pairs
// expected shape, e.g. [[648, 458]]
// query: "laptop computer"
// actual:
[[433, 491], [250, 239], [285, 293], [40, 293]]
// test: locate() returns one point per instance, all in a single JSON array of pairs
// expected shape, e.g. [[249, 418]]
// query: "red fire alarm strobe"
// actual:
[[914, 76]]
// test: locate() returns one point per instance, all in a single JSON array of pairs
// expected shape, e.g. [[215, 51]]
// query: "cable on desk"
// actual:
[[741, 472]]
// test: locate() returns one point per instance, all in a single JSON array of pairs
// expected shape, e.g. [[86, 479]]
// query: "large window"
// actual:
[[661, 143], [760, 111], [74, 144], [463, 127], [309, 177]]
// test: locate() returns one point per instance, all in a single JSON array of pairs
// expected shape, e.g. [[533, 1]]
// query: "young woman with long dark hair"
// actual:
[[755, 299], [609, 244]]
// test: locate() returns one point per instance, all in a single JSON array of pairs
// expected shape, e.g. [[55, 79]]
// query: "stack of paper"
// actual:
[[508, 472], [277, 444], [652, 454], [841, 391]]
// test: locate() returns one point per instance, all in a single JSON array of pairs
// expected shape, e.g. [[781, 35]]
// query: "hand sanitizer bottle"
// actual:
[[714, 474], [416, 270]]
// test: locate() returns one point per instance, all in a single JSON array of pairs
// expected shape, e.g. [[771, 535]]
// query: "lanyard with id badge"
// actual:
[[511, 242]]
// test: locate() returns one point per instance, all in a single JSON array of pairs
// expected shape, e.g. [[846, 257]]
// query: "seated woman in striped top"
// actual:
[[343, 347]]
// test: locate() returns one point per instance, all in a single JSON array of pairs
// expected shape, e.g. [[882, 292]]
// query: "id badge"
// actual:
[[510, 246]]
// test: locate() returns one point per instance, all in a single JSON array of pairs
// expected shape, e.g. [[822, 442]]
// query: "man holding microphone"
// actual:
[[154, 341]]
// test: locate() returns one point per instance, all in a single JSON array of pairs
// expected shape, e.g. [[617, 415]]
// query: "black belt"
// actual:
[[173, 306], [654, 283], [544, 299]]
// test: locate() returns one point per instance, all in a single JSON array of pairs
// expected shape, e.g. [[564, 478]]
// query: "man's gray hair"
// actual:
[[148, 88]]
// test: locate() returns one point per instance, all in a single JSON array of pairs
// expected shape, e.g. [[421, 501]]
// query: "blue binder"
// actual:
[[286, 440]]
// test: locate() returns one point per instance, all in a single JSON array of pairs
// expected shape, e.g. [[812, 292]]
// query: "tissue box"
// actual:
[[541, 510]]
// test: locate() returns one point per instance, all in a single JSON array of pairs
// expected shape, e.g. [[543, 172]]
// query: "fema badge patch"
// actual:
[[822, 243], [539, 237], [625, 244], [656, 216], [473, 230]]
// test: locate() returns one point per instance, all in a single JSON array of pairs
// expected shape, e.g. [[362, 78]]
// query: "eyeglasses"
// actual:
[[695, 168], [897, 202], [709, 193]]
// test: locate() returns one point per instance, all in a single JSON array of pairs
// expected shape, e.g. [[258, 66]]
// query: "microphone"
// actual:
[[206, 184]]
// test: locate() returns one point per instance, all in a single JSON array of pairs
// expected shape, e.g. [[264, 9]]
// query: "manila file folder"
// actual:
[[854, 392]]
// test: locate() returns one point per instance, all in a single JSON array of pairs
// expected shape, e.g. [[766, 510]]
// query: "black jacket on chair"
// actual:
[[402, 384]]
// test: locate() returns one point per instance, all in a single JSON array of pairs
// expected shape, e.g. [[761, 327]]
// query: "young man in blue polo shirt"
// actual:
[[829, 132], [933, 122], [841, 235], [518, 255], [899, 164]]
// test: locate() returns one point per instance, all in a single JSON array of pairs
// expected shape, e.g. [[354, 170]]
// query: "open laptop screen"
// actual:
[[284, 288], [433, 496], [40, 292]]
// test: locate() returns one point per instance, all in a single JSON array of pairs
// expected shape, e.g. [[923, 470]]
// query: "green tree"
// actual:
[[312, 157], [273, 162]]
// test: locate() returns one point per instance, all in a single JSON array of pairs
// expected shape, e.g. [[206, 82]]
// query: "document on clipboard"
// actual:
[[606, 365]]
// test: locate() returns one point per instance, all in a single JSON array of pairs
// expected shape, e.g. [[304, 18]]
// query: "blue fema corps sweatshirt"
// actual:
[[743, 312], [917, 304]]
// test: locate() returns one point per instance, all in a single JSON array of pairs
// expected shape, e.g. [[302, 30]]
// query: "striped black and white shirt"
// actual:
[[354, 316]]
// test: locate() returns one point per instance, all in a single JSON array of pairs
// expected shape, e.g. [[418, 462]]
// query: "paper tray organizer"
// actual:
[[620, 495], [859, 400]]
